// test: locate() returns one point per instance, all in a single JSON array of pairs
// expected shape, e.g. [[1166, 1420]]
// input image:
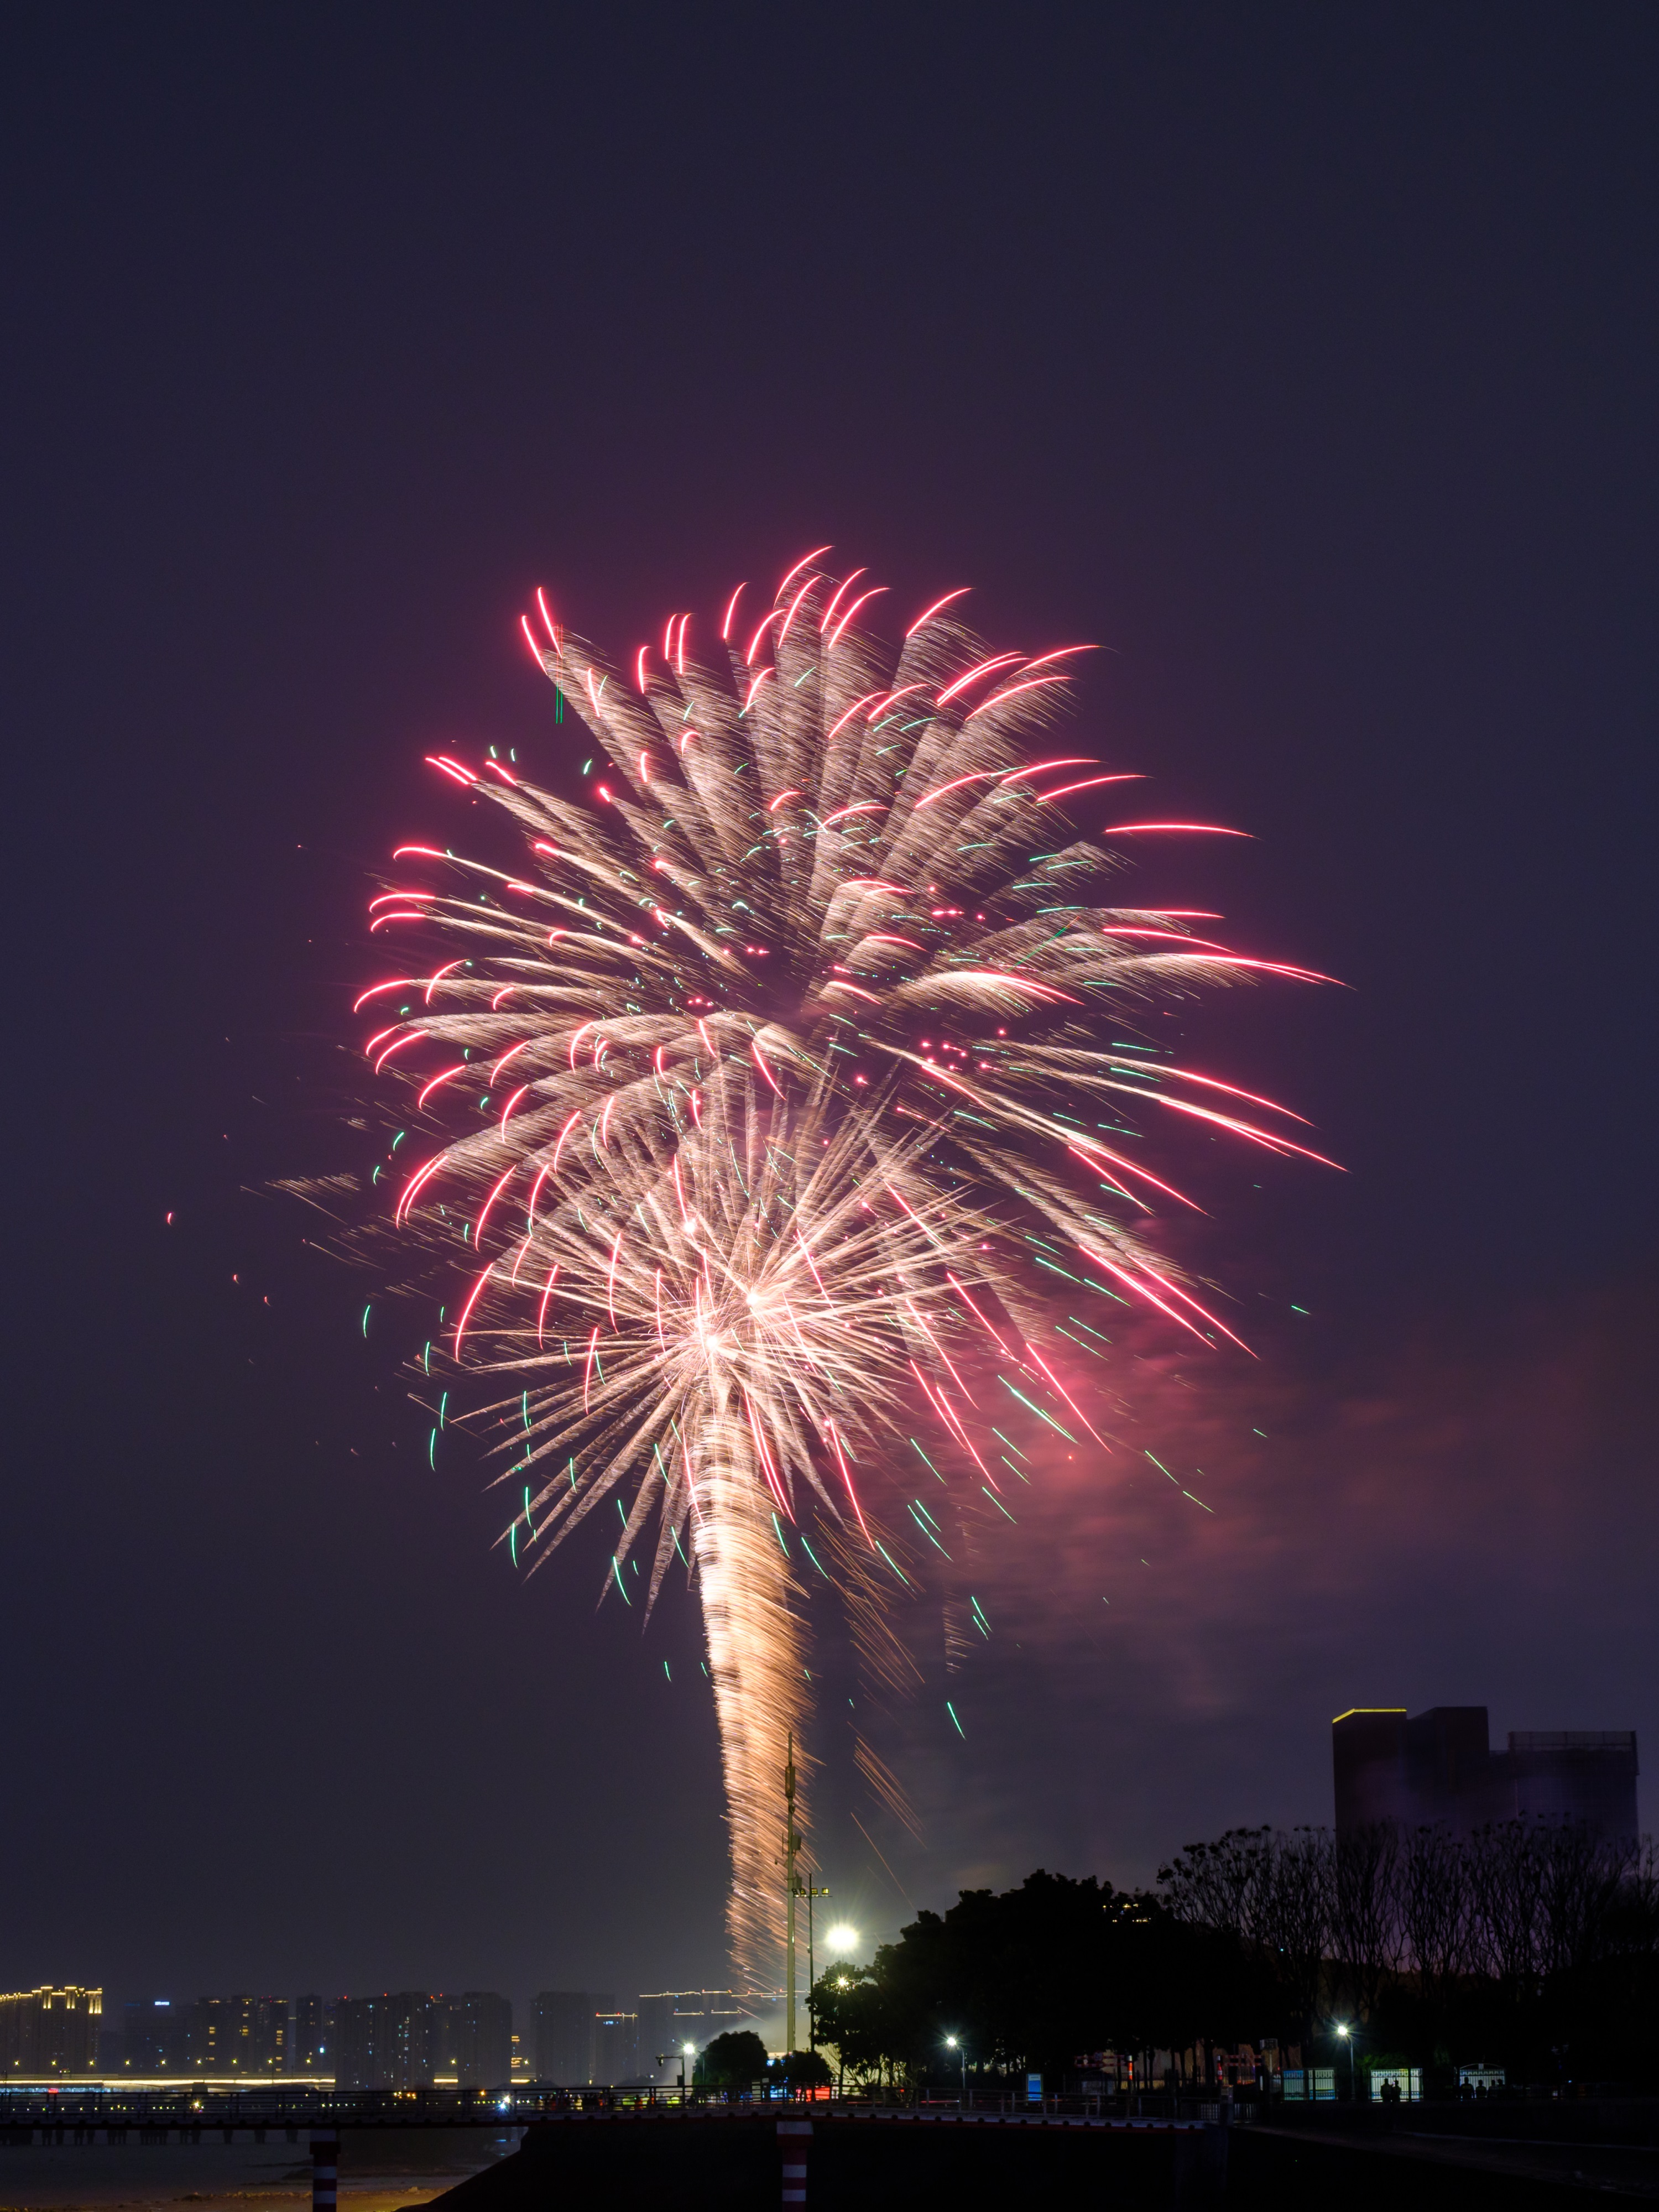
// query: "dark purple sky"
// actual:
[[1304, 357]]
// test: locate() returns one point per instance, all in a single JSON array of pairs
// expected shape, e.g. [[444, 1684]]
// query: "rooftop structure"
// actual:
[[1438, 1769]]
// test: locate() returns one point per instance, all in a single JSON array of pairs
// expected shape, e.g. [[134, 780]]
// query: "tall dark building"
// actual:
[[617, 2047], [1438, 1769], [564, 2032], [406, 2038], [156, 2037], [471, 2039], [240, 2035], [49, 2032], [312, 2045], [381, 2043]]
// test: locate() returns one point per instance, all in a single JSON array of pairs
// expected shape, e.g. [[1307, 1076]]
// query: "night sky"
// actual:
[[1302, 356]]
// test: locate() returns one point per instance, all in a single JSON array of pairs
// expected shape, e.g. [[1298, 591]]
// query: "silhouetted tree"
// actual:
[[801, 2069], [733, 2060], [1295, 1927], [1533, 1945]]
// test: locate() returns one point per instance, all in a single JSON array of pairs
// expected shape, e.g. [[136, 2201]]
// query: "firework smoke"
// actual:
[[771, 1094]]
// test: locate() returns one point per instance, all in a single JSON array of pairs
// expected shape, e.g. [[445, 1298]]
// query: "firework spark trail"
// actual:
[[783, 1044]]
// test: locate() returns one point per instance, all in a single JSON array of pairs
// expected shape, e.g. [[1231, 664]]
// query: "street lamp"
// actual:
[[953, 2043], [686, 2052], [840, 1941], [1346, 2034], [805, 1889]]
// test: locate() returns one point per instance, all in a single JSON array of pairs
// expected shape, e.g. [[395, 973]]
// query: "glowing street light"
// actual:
[[687, 2055], [953, 2043]]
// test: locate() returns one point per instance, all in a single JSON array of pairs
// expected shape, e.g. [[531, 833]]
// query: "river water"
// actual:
[[379, 2171]]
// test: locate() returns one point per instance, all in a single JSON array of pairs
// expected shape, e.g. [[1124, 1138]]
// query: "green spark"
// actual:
[[1037, 1410], [928, 1533], [926, 1462], [891, 1562]]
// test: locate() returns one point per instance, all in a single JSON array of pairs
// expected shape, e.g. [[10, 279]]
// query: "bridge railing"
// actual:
[[195, 2110], [203, 2104]]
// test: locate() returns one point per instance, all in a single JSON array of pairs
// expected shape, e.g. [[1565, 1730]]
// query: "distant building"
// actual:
[[1438, 1769], [408, 2038], [156, 2037], [49, 2032], [583, 2039], [311, 2050], [240, 2035], [617, 2047], [272, 2035], [565, 2035], [381, 2043], [1573, 1774], [471, 2039]]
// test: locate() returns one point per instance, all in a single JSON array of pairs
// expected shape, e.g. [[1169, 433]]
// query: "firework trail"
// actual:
[[767, 1086]]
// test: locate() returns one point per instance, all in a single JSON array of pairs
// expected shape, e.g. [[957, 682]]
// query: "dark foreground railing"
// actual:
[[194, 2111], [630, 2145]]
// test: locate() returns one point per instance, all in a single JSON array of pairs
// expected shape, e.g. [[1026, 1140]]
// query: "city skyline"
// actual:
[[1433, 1770]]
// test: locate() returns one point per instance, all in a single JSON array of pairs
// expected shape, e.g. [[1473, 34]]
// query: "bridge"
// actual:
[[193, 2112], [602, 2139]]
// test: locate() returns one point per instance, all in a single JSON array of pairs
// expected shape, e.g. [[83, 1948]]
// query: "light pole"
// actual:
[[1346, 2034], [843, 1939], [686, 2052], [953, 2043], [807, 1891]]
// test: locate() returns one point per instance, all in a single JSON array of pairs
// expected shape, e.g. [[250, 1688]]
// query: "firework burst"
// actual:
[[766, 1086]]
